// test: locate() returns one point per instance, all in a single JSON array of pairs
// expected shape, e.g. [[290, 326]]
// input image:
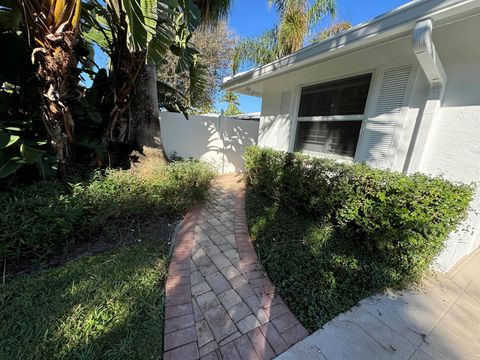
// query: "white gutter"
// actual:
[[395, 24], [427, 56]]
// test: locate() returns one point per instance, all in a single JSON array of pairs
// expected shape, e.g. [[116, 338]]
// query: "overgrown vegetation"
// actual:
[[40, 220], [109, 306], [58, 107], [332, 233]]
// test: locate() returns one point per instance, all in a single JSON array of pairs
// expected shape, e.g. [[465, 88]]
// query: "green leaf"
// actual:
[[47, 166], [7, 139], [149, 11], [31, 155], [137, 32], [33, 142], [100, 38], [8, 165], [192, 14], [198, 83], [161, 43]]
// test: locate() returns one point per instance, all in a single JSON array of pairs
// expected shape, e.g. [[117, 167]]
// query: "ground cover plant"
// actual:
[[45, 219], [105, 297], [331, 234], [108, 306]]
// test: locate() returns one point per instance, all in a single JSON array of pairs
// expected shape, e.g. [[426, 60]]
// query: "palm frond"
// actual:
[[297, 19], [198, 83], [319, 9], [165, 31], [292, 29], [256, 51], [141, 20], [171, 99], [232, 103], [213, 11], [97, 31]]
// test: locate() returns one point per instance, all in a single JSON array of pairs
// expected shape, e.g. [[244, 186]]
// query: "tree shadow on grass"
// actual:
[[107, 306]]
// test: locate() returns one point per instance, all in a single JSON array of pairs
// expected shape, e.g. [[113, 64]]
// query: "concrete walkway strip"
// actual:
[[440, 321], [219, 302]]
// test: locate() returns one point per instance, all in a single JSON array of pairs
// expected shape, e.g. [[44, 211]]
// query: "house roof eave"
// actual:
[[392, 25]]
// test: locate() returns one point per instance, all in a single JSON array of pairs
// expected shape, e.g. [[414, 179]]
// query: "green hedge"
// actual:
[[405, 219], [39, 219]]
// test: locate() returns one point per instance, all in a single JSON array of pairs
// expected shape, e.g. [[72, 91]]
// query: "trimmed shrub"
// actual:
[[39, 219], [405, 219]]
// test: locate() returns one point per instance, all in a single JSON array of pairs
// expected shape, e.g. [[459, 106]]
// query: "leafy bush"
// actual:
[[318, 273], [39, 219], [405, 219]]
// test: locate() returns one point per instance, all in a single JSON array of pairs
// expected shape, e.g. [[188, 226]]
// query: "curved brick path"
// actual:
[[219, 303]]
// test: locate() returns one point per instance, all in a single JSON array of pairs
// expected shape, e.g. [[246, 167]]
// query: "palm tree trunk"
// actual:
[[144, 118]]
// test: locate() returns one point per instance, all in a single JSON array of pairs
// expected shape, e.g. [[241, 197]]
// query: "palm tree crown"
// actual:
[[297, 19], [232, 100]]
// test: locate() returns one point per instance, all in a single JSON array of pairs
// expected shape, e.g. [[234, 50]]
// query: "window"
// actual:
[[330, 116], [335, 137]]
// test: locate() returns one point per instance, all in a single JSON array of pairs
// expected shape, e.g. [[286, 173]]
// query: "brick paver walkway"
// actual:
[[219, 302]]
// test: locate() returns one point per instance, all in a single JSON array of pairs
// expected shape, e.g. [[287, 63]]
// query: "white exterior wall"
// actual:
[[453, 146], [452, 149], [216, 140], [278, 118]]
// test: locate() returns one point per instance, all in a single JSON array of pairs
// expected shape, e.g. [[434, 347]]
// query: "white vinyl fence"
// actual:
[[217, 140]]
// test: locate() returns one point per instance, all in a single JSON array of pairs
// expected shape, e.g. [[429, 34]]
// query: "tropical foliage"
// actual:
[[44, 219], [232, 103], [52, 28], [297, 19], [49, 116], [215, 45], [23, 137]]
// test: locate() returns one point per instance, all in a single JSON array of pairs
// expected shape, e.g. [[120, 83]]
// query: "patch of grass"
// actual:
[[319, 272], [108, 306]]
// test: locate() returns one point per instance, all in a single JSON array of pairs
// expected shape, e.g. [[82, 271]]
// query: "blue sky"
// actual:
[[250, 18]]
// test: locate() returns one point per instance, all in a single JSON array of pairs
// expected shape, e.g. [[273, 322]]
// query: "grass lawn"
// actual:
[[107, 306], [318, 273]]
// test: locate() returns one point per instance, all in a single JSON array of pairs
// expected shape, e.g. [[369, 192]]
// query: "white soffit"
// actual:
[[394, 24]]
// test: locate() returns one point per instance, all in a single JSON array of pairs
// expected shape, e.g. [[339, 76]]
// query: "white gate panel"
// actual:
[[217, 140]]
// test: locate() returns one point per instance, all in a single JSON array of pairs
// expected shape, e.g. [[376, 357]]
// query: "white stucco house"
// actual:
[[399, 92]]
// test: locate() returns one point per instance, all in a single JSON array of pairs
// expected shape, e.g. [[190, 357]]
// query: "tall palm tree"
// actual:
[[297, 20], [52, 27], [232, 100]]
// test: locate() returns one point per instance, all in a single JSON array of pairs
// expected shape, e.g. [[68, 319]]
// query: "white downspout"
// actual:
[[427, 56]]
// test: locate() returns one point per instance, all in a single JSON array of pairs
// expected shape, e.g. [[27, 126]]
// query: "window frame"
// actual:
[[359, 117]]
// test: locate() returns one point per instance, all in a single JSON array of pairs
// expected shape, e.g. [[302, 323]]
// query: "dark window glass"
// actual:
[[333, 137], [343, 97]]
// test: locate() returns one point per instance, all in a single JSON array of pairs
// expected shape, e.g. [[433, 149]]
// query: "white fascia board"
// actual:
[[393, 24]]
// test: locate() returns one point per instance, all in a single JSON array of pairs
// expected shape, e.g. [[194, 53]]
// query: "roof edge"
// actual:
[[389, 25]]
